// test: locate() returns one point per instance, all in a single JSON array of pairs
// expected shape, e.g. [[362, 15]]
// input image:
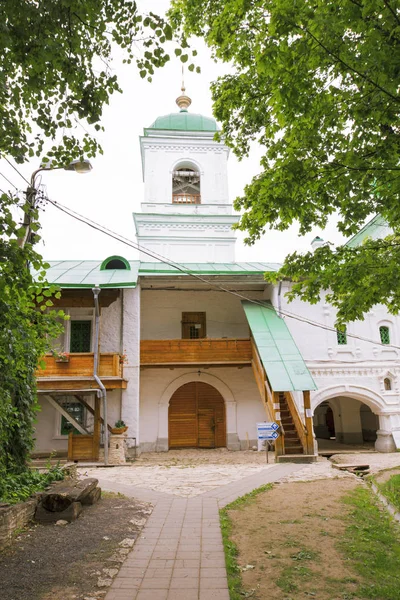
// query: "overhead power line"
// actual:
[[181, 268]]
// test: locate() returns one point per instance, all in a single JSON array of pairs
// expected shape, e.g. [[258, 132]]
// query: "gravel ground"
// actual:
[[75, 561]]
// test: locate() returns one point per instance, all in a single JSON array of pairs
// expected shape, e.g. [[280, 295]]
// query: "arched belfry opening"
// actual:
[[186, 185]]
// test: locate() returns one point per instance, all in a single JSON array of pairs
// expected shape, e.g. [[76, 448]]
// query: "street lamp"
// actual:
[[79, 166]]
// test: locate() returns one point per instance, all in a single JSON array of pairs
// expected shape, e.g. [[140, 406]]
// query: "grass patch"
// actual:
[[371, 542], [236, 590], [289, 578], [391, 490]]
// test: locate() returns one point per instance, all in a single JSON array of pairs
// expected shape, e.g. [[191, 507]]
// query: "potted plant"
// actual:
[[60, 356], [119, 427]]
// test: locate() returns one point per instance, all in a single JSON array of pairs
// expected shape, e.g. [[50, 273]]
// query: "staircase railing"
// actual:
[[269, 398]]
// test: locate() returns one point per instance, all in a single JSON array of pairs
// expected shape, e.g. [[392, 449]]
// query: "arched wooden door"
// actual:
[[196, 417]]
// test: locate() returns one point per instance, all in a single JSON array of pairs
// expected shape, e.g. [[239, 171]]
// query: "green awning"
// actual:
[[282, 361]]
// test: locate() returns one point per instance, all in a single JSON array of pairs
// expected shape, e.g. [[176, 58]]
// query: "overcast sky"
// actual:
[[114, 188]]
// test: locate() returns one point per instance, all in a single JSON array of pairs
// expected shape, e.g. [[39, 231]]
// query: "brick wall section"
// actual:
[[14, 517]]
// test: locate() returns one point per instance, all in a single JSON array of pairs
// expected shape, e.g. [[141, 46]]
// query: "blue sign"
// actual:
[[264, 431], [271, 435]]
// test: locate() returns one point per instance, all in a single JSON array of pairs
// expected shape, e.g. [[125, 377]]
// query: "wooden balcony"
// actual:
[[224, 351], [186, 199], [77, 372]]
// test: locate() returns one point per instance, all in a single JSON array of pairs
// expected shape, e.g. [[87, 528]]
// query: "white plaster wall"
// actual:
[[162, 313], [131, 346], [110, 327], [163, 154], [316, 343], [238, 382]]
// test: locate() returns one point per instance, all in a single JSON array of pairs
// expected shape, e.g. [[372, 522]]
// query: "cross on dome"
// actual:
[[183, 101]]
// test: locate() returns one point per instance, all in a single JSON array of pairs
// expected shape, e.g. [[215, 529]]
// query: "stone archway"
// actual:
[[196, 417], [232, 440], [359, 415]]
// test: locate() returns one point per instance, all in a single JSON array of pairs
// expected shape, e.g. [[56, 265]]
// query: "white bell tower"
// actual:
[[186, 215]]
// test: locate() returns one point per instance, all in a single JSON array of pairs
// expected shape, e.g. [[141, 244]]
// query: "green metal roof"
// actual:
[[88, 273], [184, 121], [373, 229], [283, 363], [158, 268]]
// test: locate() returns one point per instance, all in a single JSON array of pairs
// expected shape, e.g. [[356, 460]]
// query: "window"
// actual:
[[186, 186], [387, 384], [193, 325], [115, 262], [384, 334], [76, 410], [341, 337], [81, 334]]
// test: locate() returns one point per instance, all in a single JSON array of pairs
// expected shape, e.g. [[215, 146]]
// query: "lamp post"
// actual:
[[79, 166]]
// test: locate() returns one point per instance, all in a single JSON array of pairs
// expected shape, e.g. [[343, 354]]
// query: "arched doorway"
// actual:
[[196, 417]]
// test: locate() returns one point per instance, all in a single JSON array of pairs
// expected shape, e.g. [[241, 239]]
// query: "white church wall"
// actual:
[[162, 313], [316, 343]]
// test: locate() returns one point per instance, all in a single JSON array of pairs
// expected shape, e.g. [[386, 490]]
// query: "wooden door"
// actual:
[[196, 417], [206, 424]]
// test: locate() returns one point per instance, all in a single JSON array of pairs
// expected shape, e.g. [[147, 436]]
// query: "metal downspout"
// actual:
[[279, 300], [96, 291]]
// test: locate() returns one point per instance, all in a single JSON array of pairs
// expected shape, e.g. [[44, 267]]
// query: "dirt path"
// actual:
[[287, 540], [76, 561]]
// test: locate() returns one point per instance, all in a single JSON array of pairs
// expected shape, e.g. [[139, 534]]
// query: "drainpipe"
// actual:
[[96, 291], [279, 300]]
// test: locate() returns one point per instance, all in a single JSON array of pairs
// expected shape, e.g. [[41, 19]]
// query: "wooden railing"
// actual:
[[186, 199], [297, 420], [203, 351], [80, 364], [269, 398]]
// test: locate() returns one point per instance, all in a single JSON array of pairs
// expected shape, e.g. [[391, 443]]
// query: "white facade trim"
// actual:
[[372, 399]]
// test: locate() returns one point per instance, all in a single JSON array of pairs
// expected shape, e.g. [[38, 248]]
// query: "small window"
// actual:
[[341, 337], [193, 325], [81, 334], [387, 384], [115, 262], [76, 410], [384, 334]]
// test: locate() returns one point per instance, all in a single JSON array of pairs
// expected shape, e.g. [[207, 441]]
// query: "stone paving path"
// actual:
[[179, 555]]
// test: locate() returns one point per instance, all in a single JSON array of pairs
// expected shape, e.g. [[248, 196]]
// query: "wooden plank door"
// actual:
[[206, 424], [196, 417], [182, 417]]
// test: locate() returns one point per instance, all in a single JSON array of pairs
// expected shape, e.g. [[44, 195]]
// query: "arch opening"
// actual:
[[186, 184], [344, 421], [196, 417]]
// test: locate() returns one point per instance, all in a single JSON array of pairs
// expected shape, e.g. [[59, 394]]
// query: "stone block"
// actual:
[[69, 514], [91, 498], [61, 495]]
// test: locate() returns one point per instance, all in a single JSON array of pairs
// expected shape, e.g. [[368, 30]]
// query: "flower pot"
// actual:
[[118, 430]]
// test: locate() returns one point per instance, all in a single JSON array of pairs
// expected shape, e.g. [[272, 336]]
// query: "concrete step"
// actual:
[[297, 458]]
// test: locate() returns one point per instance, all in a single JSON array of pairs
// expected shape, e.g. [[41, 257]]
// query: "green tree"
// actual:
[[317, 85], [56, 58], [23, 339], [56, 71]]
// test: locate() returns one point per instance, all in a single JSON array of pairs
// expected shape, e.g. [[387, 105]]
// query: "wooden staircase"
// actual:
[[296, 439], [293, 444]]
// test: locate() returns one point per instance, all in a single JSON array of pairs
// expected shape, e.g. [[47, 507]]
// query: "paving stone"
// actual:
[[214, 583], [184, 583]]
